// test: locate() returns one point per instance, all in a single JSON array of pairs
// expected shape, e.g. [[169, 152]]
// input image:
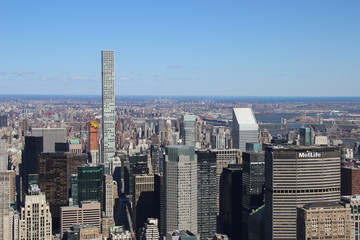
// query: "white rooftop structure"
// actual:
[[245, 128], [246, 119]]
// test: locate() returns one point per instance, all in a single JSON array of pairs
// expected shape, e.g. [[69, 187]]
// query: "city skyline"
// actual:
[[182, 48], [212, 189]]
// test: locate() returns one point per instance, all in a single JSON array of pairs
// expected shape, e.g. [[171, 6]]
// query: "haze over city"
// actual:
[[179, 120], [231, 48]]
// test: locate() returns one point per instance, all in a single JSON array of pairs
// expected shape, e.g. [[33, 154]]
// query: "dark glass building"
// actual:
[[207, 182], [3, 121], [122, 209], [76, 160], [231, 201], [54, 182], [135, 164], [350, 181], [90, 183], [253, 180], [30, 162], [307, 136], [143, 199]]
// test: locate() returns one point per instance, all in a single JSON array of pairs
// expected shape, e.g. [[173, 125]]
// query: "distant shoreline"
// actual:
[[182, 98]]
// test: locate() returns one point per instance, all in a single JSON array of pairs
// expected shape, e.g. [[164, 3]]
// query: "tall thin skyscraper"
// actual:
[[245, 128], [108, 106]]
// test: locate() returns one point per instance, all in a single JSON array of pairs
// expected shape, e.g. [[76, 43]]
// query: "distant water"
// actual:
[[350, 142], [275, 117], [188, 98]]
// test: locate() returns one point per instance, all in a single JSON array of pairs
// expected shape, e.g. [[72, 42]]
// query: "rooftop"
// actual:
[[301, 147], [182, 233], [351, 197], [244, 116], [322, 205], [189, 118]]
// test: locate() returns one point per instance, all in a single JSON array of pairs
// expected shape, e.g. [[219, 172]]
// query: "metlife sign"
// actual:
[[309, 155]]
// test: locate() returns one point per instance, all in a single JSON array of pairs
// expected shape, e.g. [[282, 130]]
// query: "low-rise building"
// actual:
[[324, 220]]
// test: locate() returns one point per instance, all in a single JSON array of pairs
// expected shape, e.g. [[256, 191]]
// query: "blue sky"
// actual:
[[182, 47]]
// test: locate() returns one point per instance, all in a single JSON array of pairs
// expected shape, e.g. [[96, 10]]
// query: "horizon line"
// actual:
[[145, 95]]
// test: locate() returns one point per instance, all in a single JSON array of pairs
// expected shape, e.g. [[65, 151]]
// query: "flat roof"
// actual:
[[301, 147], [182, 233], [322, 205]]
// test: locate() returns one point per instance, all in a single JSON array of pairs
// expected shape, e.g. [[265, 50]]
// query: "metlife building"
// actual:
[[294, 176]]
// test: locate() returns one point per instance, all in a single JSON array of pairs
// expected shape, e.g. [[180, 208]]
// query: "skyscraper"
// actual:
[[94, 141], [30, 162], [230, 201], [143, 199], [35, 218], [223, 159], [85, 213], [3, 156], [7, 195], [90, 183], [133, 164], [50, 137], [253, 180], [109, 201], [307, 136], [54, 182], [181, 188], [207, 192], [159, 200], [108, 106], [189, 130], [245, 128], [297, 175], [3, 121]]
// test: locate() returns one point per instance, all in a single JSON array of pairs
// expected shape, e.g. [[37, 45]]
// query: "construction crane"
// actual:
[[130, 223]]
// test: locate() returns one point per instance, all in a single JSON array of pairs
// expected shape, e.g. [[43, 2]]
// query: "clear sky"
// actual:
[[182, 47]]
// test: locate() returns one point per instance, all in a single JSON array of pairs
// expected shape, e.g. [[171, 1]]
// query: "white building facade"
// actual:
[[35, 219], [108, 106], [245, 128]]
